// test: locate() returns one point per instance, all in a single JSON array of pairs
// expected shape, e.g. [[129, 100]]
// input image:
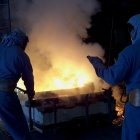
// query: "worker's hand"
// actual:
[[31, 94], [93, 59], [96, 62]]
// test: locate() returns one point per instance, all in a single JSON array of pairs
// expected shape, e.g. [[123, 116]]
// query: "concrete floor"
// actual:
[[78, 133], [77, 130]]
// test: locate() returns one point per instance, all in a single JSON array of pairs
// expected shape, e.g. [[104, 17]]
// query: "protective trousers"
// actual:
[[131, 124], [12, 115]]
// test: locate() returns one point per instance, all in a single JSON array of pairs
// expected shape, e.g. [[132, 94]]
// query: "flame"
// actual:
[[120, 115], [66, 80], [79, 80], [120, 110]]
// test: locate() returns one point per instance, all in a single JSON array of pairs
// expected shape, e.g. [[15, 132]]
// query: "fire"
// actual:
[[120, 110], [67, 79], [71, 83], [120, 115]]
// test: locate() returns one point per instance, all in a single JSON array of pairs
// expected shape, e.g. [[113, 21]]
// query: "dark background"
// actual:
[[109, 26]]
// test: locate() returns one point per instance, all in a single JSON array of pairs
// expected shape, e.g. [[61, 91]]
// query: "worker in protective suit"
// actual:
[[127, 69], [14, 64]]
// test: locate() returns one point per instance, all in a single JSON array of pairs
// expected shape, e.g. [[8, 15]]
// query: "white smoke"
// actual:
[[55, 29]]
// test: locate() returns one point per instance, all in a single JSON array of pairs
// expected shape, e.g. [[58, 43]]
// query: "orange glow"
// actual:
[[65, 80]]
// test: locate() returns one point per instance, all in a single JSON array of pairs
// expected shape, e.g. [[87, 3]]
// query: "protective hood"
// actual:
[[135, 22], [16, 37]]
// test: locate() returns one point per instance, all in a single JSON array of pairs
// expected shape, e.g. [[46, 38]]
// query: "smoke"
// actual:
[[56, 50]]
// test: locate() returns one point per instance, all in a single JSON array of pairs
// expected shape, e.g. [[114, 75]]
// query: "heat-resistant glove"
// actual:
[[96, 62], [31, 94]]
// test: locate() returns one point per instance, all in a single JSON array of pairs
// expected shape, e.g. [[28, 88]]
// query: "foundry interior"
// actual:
[[71, 102]]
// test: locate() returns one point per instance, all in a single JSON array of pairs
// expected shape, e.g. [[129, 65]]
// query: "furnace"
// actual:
[[61, 106]]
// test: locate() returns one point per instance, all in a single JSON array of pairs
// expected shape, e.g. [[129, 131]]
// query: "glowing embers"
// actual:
[[120, 115]]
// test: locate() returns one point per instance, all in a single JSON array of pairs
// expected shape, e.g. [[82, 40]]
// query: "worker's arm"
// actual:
[[113, 74], [27, 75]]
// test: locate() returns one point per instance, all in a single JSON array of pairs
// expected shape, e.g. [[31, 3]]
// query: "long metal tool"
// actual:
[[30, 108]]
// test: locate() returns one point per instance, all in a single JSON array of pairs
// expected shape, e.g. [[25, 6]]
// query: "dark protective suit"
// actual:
[[127, 69], [14, 63]]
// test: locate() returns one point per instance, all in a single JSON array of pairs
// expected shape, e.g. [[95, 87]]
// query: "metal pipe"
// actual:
[[30, 108]]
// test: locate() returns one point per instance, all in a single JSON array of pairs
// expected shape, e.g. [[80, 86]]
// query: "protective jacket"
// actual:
[[15, 63]]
